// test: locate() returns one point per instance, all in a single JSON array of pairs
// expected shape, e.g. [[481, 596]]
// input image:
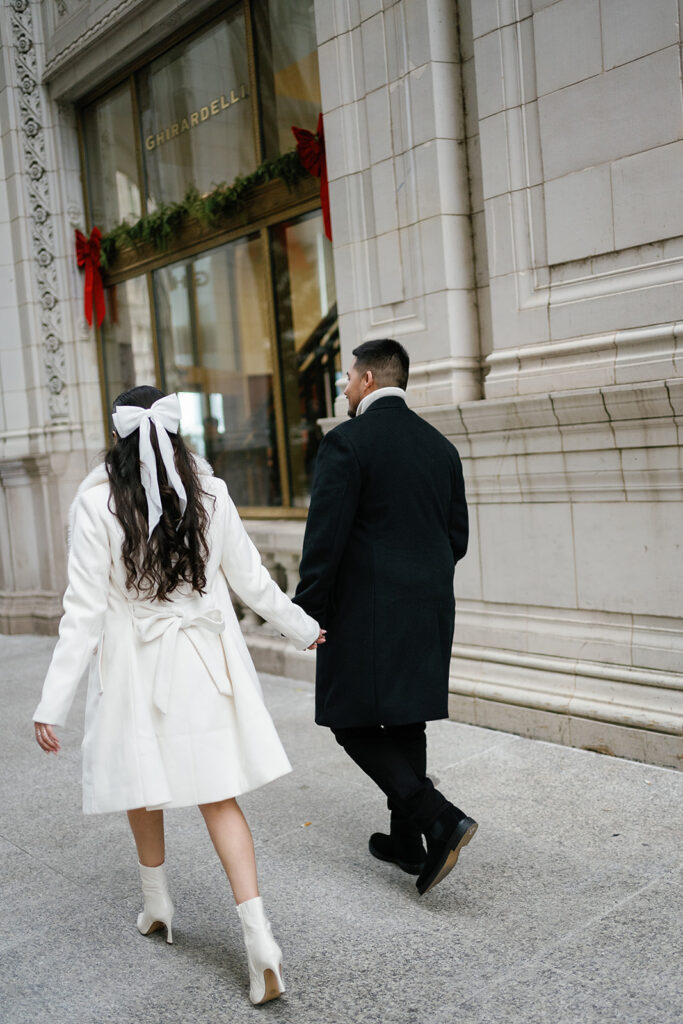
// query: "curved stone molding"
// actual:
[[32, 138]]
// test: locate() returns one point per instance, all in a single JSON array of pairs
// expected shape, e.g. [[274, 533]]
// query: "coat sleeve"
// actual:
[[458, 526], [85, 605], [253, 584], [334, 501]]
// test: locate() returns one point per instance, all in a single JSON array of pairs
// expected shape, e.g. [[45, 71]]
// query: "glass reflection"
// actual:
[[289, 82], [309, 339], [195, 110], [216, 353], [109, 143], [127, 340]]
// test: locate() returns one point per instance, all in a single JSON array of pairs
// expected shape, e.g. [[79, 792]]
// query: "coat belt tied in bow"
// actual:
[[164, 625]]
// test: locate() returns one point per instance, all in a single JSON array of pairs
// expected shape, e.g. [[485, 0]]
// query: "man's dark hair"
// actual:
[[389, 362]]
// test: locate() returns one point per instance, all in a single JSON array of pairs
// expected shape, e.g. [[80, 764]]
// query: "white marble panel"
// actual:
[[435, 104], [512, 328], [494, 155], [369, 7], [446, 245], [468, 570], [379, 120], [499, 238], [12, 374], [17, 410], [440, 177], [629, 556], [490, 14], [631, 28], [390, 268], [567, 43], [593, 315], [527, 554], [374, 52], [627, 110], [489, 74], [578, 214], [330, 74], [384, 196], [443, 29], [648, 196]]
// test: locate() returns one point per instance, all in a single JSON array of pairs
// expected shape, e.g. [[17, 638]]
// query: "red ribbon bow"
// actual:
[[88, 256], [311, 150]]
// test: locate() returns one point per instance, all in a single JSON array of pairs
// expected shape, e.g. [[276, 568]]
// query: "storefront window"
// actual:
[[308, 337], [195, 113], [216, 353], [109, 142], [127, 340], [288, 69], [243, 326]]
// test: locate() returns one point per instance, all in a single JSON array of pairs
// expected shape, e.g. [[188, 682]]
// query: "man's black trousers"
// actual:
[[395, 758]]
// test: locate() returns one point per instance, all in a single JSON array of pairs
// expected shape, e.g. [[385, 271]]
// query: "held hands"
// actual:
[[318, 642], [46, 738]]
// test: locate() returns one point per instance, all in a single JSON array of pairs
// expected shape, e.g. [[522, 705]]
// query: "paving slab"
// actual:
[[565, 908]]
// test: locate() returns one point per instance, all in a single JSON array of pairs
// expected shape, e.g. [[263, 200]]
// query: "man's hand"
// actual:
[[318, 642], [46, 738]]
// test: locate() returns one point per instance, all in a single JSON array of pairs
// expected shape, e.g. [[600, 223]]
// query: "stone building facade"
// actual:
[[506, 198]]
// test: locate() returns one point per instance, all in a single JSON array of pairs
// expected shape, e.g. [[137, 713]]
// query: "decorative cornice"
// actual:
[[33, 152], [92, 35]]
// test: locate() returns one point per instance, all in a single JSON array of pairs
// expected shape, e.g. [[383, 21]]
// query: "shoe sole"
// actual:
[[274, 987], [452, 858], [157, 926], [410, 869]]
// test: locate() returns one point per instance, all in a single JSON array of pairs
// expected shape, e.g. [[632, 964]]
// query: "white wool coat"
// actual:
[[174, 712]]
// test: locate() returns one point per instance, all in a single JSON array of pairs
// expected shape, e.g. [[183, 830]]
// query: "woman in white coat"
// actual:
[[174, 713]]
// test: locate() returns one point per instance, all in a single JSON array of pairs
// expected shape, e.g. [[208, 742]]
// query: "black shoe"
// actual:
[[410, 857], [450, 832]]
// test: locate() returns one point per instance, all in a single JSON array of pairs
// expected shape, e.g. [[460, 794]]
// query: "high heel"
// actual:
[[263, 953], [158, 909]]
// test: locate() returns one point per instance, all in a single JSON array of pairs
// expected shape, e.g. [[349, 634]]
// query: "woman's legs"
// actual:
[[148, 831], [231, 837]]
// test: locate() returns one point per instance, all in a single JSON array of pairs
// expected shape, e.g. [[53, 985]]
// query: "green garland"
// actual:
[[158, 227]]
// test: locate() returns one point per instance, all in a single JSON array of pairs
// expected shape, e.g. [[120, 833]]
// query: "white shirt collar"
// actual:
[[379, 393]]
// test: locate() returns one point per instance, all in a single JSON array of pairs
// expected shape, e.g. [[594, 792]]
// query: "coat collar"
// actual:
[[379, 395]]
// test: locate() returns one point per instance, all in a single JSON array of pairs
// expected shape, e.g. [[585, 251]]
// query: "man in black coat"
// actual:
[[386, 525]]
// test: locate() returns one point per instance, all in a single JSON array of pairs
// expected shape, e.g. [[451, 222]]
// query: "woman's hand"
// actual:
[[46, 738], [319, 641]]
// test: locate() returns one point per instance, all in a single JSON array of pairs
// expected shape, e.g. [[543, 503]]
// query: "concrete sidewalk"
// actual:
[[566, 907]]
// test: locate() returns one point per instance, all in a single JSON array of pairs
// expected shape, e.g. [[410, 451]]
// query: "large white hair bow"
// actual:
[[165, 415]]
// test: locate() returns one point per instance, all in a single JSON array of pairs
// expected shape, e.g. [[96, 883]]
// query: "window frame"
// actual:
[[270, 204]]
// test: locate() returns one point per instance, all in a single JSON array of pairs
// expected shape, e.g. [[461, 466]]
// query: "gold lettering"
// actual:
[[193, 119]]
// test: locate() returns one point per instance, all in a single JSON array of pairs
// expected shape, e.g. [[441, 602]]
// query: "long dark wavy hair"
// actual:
[[177, 551]]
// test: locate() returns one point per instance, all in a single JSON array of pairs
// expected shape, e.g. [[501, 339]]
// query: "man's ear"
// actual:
[[369, 378]]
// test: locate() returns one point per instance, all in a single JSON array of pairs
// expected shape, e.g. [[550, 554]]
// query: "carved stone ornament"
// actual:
[[32, 135]]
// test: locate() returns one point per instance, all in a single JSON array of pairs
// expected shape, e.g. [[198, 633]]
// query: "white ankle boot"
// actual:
[[263, 953], [158, 910]]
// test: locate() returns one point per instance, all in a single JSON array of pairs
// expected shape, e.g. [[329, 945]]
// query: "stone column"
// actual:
[[391, 81], [48, 430]]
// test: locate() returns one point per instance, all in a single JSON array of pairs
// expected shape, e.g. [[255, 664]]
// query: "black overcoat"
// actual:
[[386, 525]]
